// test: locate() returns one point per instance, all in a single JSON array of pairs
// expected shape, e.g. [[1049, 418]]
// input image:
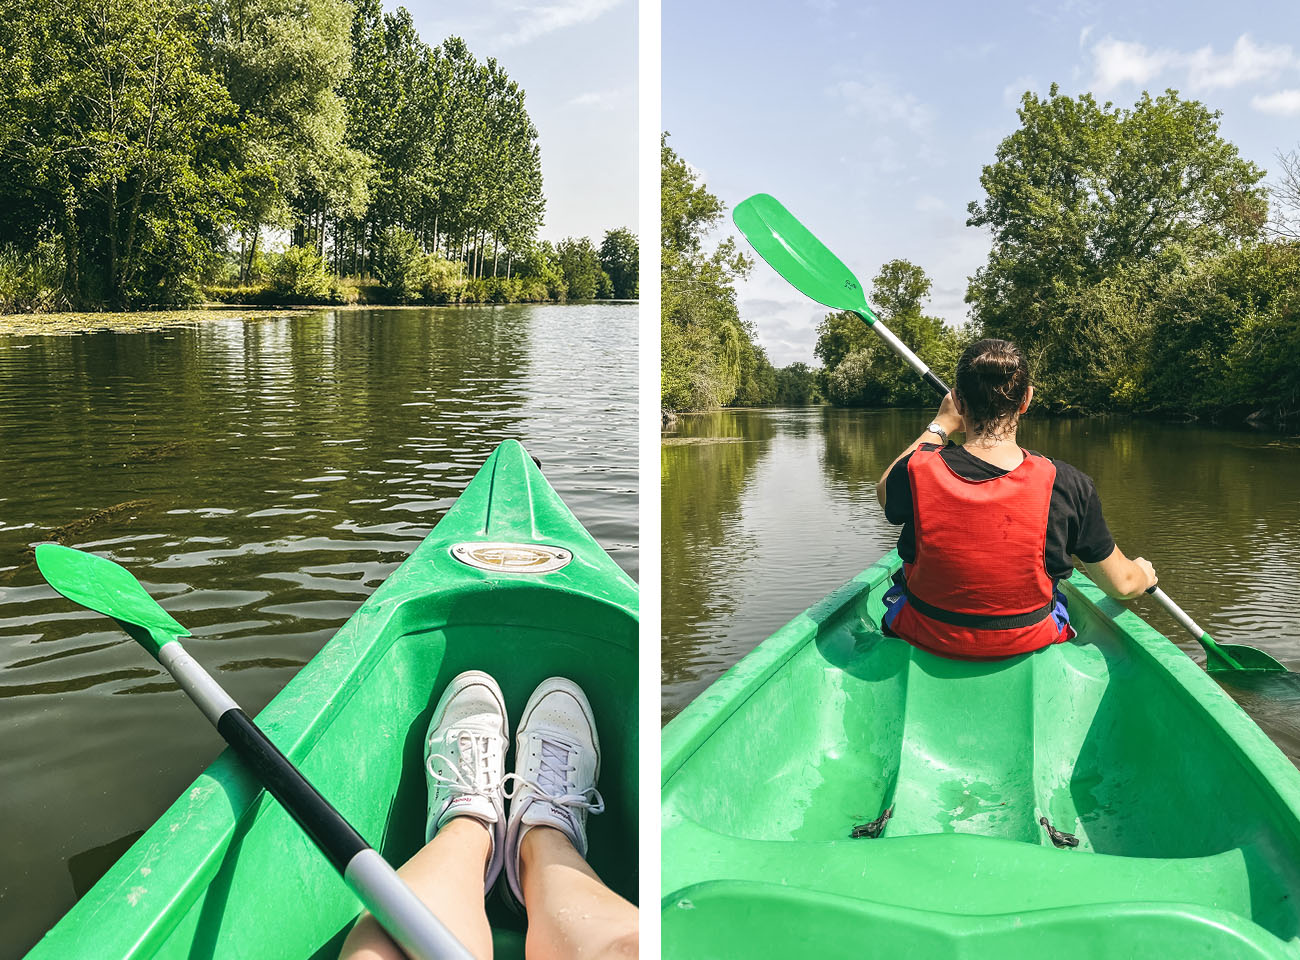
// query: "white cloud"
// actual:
[[1121, 63], [537, 21], [1083, 35], [882, 103], [1118, 62], [1248, 62], [1285, 103], [598, 99]]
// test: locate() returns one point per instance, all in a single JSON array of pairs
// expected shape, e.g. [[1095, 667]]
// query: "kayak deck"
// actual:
[[1187, 817], [226, 873]]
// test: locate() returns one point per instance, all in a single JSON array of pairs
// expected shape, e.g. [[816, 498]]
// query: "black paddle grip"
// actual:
[[325, 825], [940, 387]]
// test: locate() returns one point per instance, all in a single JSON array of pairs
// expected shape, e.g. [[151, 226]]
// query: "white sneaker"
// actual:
[[557, 764], [464, 760]]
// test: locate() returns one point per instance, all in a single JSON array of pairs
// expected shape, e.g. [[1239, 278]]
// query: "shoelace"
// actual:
[[473, 750], [552, 783]]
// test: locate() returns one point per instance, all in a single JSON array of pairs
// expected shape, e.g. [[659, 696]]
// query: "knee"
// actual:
[[623, 946]]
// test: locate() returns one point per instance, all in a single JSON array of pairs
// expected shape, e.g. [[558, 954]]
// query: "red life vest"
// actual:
[[979, 586]]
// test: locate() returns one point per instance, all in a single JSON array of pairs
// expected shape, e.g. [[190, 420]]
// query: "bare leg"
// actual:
[[447, 874], [571, 914]]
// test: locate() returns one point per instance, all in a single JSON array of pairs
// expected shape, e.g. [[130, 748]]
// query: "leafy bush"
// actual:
[[443, 281], [851, 383], [32, 282], [399, 265], [299, 274]]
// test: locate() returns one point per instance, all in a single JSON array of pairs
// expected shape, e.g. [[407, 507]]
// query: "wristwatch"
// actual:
[[938, 431]]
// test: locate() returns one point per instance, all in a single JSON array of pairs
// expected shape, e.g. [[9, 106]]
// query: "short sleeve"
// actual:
[[898, 494], [1092, 542]]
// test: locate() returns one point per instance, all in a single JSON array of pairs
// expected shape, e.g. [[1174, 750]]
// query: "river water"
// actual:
[[262, 478], [765, 511]]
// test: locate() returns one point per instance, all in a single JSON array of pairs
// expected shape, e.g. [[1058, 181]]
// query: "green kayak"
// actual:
[[1186, 816], [508, 582]]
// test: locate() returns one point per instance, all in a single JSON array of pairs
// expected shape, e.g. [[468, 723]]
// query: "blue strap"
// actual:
[[1061, 609]]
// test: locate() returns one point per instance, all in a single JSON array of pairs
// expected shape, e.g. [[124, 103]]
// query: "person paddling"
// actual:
[[989, 529]]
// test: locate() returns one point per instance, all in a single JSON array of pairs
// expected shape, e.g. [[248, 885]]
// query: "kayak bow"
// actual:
[[508, 582]]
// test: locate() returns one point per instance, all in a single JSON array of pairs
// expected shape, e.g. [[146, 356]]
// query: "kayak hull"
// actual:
[[226, 873], [1180, 804]]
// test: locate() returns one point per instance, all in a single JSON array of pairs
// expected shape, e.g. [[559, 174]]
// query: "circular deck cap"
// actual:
[[512, 557]]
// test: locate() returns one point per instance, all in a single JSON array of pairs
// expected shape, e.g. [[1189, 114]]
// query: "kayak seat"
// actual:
[[725, 919]]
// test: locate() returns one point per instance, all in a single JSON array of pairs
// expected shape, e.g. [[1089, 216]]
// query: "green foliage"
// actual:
[[32, 282], [398, 265], [798, 385], [153, 145], [1227, 336], [298, 275], [838, 335], [861, 370], [852, 383], [1088, 205], [620, 259], [757, 382], [453, 152], [708, 354], [584, 278], [119, 141], [540, 264]]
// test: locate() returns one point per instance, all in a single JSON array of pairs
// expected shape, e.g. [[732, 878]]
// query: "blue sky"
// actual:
[[577, 62], [871, 122]]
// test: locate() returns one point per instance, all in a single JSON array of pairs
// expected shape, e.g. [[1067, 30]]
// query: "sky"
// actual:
[[871, 121], [577, 63]]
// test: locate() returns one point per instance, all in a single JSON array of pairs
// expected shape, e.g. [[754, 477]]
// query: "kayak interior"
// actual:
[[1176, 798]]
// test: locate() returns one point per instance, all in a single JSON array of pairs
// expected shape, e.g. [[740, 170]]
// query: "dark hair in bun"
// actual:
[[992, 383]]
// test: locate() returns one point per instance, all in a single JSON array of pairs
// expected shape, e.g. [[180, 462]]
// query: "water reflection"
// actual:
[[261, 478]]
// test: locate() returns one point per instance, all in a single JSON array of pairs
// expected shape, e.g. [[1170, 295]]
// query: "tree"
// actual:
[[583, 277], [120, 144], [877, 376], [1082, 192], [705, 346], [282, 62], [619, 258], [797, 386]]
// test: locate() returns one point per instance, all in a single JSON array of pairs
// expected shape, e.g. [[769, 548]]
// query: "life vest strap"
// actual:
[[978, 620]]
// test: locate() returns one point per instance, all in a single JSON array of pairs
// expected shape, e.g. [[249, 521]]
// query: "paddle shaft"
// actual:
[[1213, 652], [399, 911], [904, 351]]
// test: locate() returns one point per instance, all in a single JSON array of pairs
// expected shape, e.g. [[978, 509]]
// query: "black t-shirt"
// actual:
[[1075, 524]]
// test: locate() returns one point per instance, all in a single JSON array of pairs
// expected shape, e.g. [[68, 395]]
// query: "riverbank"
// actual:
[[36, 324], [1257, 419]]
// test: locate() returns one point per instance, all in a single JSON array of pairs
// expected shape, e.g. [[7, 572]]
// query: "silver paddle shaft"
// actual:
[[1175, 611], [900, 348]]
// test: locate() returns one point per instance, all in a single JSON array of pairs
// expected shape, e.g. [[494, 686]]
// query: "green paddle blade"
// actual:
[[1247, 658], [792, 251], [108, 588]]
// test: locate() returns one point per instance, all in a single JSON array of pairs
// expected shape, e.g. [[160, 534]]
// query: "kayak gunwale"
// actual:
[[698, 851], [152, 893]]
